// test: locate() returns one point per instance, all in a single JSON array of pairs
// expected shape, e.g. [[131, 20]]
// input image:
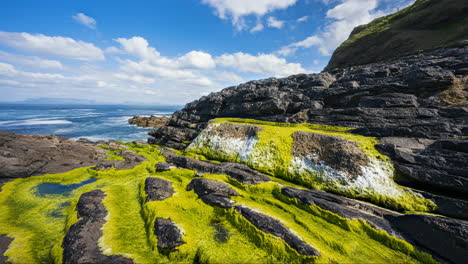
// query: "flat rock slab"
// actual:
[[131, 160], [444, 237], [28, 155], [162, 166], [272, 226], [158, 189], [213, 192], [80, 244], [168, 234], [344, 207], [4, 244], [240, 172]]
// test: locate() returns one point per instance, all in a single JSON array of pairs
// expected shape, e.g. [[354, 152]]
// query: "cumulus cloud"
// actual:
[[275, 23], [31, 61], [345, 17], [257, 28], [237, 9], [40, 44], [85, 20], [262, 63], [198, 59]]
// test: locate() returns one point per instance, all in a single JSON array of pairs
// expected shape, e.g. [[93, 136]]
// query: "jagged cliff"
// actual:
[[425, 25]]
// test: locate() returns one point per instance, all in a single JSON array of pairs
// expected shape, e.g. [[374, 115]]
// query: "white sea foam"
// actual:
[[36, 121]]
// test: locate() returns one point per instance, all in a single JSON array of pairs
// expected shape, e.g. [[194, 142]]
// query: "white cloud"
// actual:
[[345, 16], [198, 59], [40, 44], [275, 23], [85, 20], [302, 19], [262, 63], [257, 28], [31, 61], [236, 9], [228, 77]]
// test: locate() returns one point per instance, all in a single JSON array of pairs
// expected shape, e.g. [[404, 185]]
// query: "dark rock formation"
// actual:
[[344, 207], [168, 234], [272, 226], [162, 166], [4, 244], [131, 160], [427, 24], [213, 192], [27, 155], [80, 244], [443, 237], [149, 121], [158, 189], [240, 172]]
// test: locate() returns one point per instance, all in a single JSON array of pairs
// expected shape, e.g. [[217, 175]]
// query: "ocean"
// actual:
[[94, 122]]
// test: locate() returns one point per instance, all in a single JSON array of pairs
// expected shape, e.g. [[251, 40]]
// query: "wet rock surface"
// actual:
[[80, 244], [443, 237], [28, 155], [168, 234], [272, 226], [158, 189], [162, 166], [149, 121], [240, 172], [213, 192]]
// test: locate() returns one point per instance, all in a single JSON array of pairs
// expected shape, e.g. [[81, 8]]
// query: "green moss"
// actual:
[[272, 154], [129, 229]]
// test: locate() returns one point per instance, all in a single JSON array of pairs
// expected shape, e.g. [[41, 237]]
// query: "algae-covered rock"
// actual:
[[213, 192], [158, 189], [168, 234]]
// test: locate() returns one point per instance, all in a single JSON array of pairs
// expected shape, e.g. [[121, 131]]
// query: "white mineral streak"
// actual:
[[376, 178], [236, 148]]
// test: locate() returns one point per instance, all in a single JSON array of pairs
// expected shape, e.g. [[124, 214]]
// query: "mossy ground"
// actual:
[[39, 224], [272, 155]]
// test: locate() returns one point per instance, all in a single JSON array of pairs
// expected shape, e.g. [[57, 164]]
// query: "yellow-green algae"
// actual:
[[38, 230], [272, 154]]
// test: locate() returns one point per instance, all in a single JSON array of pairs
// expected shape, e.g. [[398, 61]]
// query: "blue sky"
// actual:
[[167, 51]]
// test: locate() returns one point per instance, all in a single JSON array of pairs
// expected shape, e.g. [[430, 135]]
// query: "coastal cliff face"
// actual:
[[425, 25]]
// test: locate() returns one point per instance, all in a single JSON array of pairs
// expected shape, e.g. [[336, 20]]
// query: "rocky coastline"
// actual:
[[149, 121]]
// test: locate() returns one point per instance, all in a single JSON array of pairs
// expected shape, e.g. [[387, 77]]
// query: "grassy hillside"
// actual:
[[426, 24]]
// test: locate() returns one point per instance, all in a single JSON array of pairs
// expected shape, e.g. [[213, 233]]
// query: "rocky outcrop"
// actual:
[[80, 244], [426, 24], [272, 226], [158, 189], [240, 172], [162, 166], [168, 234], [443, 237], [28, 155], [213, 192], [149, 121]]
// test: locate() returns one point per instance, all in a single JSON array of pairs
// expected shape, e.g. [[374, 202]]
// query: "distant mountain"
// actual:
[[427, 24]]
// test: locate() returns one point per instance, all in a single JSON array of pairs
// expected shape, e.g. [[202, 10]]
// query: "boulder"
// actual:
[[168, 234], [162, 166], [213, 192], [149, 121], [158, 189]]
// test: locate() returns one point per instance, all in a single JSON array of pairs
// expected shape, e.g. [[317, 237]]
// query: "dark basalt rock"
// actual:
[[131, 160], [213, 192], [168, 234], [28, 155], [162, 166], [445, 238], [272, 226], [4, 244], [149, 121], [344, 207], [158, 189], [240, 172], [80, 244]]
